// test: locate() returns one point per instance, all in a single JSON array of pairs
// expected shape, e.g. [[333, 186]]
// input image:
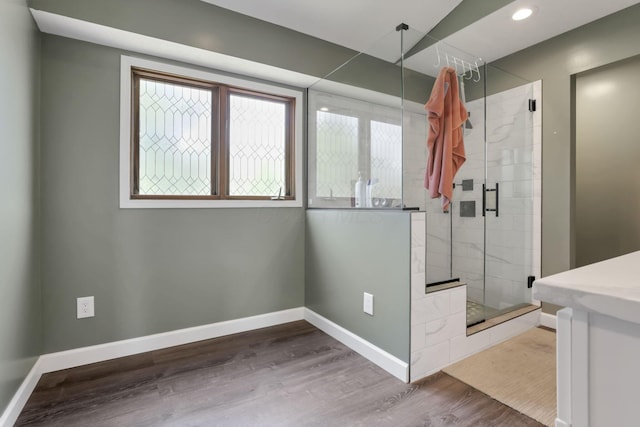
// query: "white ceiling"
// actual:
[[356, 24], [497, 35], [363, 24]]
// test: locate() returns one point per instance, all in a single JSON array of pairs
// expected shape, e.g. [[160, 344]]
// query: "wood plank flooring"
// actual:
[[287, 375]]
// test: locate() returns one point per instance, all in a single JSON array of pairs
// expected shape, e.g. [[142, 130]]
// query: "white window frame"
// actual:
[[126, 63]]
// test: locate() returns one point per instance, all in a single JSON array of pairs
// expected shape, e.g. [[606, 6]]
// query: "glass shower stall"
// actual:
[[367, 132]]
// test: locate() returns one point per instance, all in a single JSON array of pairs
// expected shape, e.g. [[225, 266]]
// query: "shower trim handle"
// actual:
[[485, 190]]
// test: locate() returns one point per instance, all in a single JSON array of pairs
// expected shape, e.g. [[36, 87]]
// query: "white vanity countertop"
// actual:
[[610, 287]]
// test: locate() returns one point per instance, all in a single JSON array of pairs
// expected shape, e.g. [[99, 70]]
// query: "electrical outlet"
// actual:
[[368, 304], [85, 307]]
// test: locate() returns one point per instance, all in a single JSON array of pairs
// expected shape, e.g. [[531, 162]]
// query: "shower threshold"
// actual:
[[482, 317]]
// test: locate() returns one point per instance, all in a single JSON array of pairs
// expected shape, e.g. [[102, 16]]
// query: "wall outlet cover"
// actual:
[[368, 304], [85, 307]]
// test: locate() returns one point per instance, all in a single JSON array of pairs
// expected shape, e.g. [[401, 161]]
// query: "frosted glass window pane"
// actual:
[[336, 154], [386, 159], [175, 139], [257, 149]]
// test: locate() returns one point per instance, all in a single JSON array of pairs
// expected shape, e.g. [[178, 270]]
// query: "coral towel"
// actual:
[[445, 145]]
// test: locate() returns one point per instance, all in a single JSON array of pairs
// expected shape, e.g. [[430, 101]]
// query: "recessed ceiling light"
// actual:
[[521, 14], [324, 109]]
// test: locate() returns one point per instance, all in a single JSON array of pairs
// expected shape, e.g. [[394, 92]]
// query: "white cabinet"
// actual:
[[598, 342]]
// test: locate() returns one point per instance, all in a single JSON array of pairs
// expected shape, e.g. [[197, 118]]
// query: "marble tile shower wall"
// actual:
[[468, 232], [436, 318], [513, 160], [465, 260], [513, 157]]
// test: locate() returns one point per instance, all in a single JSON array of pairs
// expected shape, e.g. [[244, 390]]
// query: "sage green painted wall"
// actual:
[[205, 26], [554, 62], [607, 155], [350, 252], [150, 270], [20, 303]]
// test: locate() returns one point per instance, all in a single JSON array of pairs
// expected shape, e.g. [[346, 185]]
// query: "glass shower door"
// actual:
[[508, 200]]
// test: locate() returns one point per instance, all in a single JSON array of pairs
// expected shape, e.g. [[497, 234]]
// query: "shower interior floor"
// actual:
[[477, 312], [480, 316]]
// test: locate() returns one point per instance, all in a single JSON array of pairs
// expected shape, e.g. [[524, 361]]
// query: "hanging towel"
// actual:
[[445, 145]]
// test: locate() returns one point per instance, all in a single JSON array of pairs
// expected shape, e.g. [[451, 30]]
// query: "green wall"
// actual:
[[20, 304], [607, 154], [555, 61], [205, 26], [150, 270], [350, 252]]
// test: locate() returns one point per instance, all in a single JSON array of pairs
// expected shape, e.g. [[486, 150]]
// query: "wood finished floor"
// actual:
[[287, 375]]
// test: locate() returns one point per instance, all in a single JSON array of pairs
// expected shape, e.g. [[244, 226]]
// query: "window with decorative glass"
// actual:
[[196, 139], [351, 139]]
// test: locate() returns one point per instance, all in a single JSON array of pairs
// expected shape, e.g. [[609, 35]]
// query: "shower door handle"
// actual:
[[486, 190]]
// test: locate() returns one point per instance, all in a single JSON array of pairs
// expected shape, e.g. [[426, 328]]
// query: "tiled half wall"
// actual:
[[438, 319]]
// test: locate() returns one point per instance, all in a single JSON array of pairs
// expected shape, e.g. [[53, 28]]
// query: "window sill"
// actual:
[[207, 204]]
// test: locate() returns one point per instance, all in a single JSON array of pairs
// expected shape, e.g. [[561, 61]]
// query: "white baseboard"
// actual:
[[380, 357], [99, 353], [548, 320], [13, 409], [561, 423]]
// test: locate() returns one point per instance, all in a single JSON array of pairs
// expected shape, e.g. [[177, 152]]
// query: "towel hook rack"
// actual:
[[470, 69], [438, 57]]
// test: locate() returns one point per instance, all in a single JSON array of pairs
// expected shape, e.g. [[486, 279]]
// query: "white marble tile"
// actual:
[[504, 331], [418, 282], [419, 312], [438, 239], [418, 230], [458, 300], [437, 274], [436, 306], [464, 346], [418, 337], [417, 260], [471, 235], [445, 328], [441, 259], [429, 360], [468, 264]]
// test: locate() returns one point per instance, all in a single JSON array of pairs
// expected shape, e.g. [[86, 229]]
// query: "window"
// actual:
[[336, 154], [351, 138], [197, 139]]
